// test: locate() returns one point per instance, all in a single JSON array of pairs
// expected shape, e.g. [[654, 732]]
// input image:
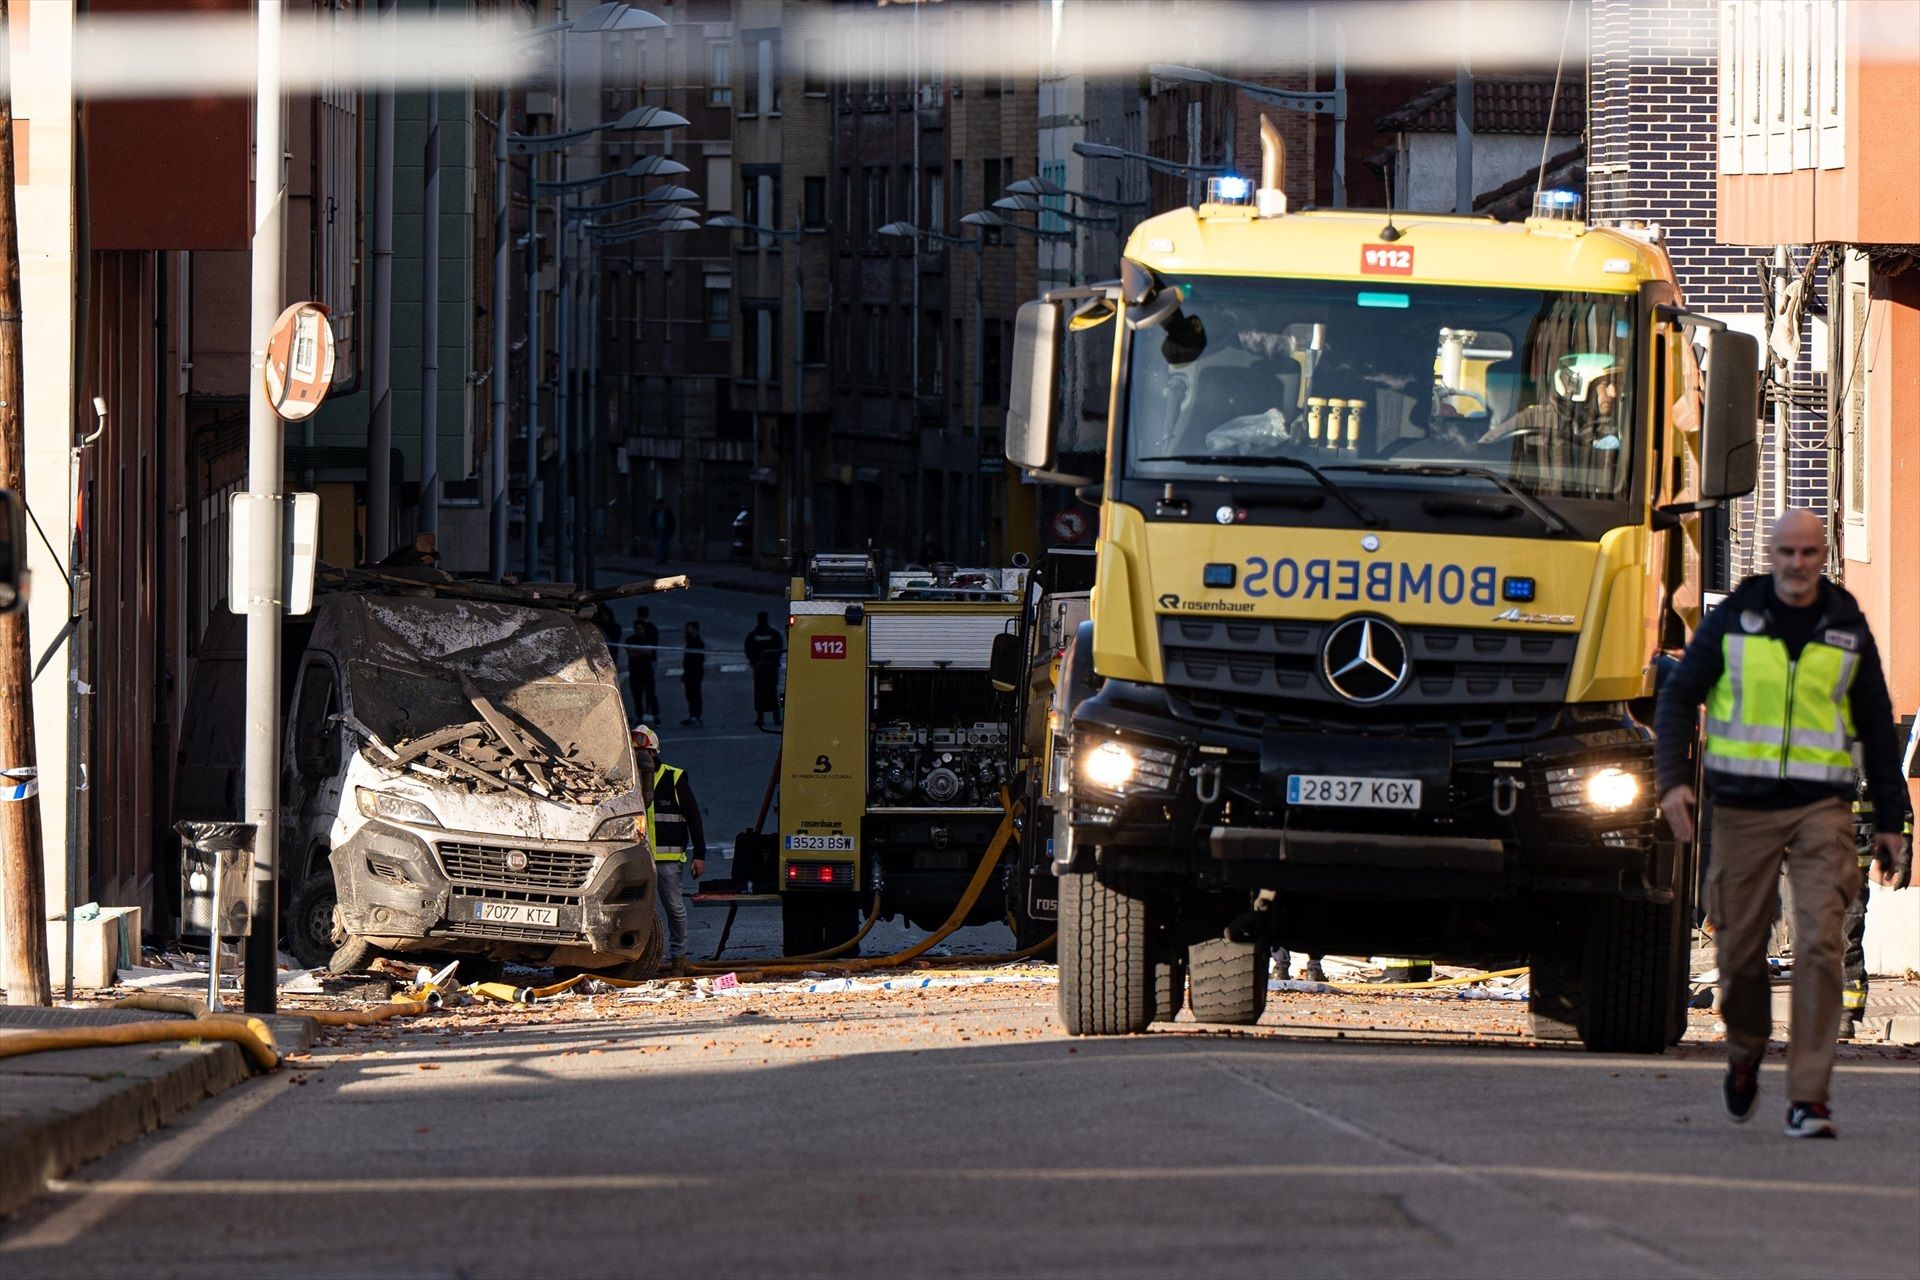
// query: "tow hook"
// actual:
[[1206, 782], [1243, 927], [1506, 794]]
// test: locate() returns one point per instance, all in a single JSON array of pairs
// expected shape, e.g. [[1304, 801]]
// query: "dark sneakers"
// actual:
[[1809, 1120], [1740, 1088]]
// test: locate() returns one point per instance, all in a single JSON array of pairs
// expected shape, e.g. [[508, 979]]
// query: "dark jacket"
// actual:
[[674, 795], [1677, 721], [763, 646]]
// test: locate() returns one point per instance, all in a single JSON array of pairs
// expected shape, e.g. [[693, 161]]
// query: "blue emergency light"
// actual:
[[1229, 189], [1517, 589], [1217, 575]]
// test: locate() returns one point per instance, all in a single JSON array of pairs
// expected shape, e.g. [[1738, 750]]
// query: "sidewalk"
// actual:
[[60, 1109]]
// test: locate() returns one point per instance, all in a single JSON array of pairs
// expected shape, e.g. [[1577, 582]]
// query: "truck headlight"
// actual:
[[1594, 788], [383, 804], [621, 826], [1123, 767]]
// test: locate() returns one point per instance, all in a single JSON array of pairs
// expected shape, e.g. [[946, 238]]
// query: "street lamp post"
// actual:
[[1101, 151], [799, 499], [602, 19]]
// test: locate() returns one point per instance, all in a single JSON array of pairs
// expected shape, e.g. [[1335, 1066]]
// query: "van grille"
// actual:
[[486, 864]]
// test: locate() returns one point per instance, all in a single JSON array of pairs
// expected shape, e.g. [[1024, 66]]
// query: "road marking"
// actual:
[[149, 1169], [561, 1183]]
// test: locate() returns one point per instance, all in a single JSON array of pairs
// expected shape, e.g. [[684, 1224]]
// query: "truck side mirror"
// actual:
[[1033, 402], [1003, 666], [1729, 448], [13, 551]]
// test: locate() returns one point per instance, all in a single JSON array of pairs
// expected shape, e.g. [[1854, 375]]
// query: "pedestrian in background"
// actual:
[[763, 648], [1791, 679], [643, 650], [693, 672], [663, 526]]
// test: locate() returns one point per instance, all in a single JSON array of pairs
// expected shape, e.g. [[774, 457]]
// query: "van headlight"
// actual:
[[1124, 767], [621, 826], [384, 804], [1594, 788]]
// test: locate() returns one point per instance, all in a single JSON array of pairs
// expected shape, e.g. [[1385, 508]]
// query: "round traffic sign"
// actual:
[[299, 369], [1069, 526]]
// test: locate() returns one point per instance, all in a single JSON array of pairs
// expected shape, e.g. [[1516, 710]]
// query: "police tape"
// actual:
[[20, 783]]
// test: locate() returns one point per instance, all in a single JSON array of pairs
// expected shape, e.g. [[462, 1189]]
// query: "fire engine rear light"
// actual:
[[819, 875]]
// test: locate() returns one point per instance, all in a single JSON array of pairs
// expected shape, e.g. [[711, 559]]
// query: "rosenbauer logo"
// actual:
[[829, 646], [1172, 601]]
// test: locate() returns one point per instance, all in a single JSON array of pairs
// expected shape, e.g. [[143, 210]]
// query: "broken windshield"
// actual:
[[429, 665], [1530, 385]]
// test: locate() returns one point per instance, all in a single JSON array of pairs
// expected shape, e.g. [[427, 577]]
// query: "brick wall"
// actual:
[[1652, 153]]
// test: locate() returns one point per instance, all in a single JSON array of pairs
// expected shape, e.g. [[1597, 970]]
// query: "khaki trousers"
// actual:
[[1743, 892]]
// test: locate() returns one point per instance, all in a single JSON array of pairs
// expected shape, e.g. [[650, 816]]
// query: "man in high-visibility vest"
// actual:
[[678, 836], [1791, 680]]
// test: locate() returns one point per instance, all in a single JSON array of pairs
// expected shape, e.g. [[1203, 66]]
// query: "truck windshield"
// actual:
[[1367, 380]]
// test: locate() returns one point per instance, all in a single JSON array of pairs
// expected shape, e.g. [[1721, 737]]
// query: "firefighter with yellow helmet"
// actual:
[[677, 834]]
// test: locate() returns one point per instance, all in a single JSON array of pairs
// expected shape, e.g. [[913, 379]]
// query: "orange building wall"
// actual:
[[1873, 198], [1889, 585]]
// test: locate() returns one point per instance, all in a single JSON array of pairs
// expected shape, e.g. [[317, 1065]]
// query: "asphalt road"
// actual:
[[957, 1132]]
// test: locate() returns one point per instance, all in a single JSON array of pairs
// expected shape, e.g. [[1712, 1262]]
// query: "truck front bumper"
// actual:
[[1502, 810]]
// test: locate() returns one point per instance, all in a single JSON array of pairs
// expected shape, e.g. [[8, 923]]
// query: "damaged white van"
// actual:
[[458, 780]]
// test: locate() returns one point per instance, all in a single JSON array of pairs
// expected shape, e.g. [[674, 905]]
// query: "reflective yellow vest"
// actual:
[[1771, 716], [668, 831]]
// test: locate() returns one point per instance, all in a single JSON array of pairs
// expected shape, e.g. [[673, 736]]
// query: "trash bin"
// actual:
[[229, 845]]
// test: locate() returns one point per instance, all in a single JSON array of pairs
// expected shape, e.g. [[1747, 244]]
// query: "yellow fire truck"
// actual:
[[896, 744], [1399, 512]]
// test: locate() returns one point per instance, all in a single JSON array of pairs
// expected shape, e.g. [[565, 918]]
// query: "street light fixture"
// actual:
[[1101, 151], [1027, 204], [1309, 101], [988, 218], [526, 144], [1038, 186]]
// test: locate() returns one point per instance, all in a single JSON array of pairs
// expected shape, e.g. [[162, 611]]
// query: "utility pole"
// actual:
[[22, 860], [497, 453], [265, 569], [430, 310], [380, 329], [1463, 116]]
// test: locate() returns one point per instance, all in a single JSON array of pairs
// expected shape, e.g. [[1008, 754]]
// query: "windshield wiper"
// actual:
[[1360, 513], [1554, 521]]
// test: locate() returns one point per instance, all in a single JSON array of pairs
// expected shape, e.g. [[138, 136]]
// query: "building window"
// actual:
[[1054, 171], [719, 74], [762, 193], [719, 184], [815, 195], [933, 370], [814, 85], [959, 190], [843, 339], [813, 346], [1855, 369], [876, 180], [846, 201], [874, 335], [719, 308], [761, 352], [936, 201], [763, 71], [990, 364]]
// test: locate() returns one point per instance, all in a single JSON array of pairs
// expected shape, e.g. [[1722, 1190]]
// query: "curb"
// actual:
[[61, 1109]]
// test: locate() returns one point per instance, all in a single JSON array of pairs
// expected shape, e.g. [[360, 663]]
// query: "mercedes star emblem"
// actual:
[[516, 859], [1365, 659]]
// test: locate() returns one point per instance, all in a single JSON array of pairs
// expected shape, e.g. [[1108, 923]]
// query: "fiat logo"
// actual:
[[516, 859]]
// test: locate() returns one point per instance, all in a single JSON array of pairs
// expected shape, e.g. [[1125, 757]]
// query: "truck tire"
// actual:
[[1555, 992], [646, 964], [1106, 978], [1228, 981], [1169, 988], [309, 926], [1631, 977]]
